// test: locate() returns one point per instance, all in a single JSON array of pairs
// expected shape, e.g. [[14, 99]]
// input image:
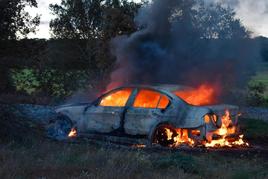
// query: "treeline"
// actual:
[[76, 57], [54, 68]]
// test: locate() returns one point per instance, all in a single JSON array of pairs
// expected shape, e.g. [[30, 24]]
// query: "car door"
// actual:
[[144, 112], [106, 115]]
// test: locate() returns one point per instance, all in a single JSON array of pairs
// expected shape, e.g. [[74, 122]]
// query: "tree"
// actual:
[[94, 22], [15, 24], [86, 19], [15, 21]]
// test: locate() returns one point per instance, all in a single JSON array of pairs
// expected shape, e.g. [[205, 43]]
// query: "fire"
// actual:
[[227, 129], [203, 95], [73, 133], [118, 98], [223, 134], [150, 99], [183, 137]]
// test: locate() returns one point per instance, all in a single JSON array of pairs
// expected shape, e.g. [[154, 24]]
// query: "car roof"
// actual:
[[161, 87]]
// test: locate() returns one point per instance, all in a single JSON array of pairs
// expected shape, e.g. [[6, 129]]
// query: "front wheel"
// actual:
[[59, 128]]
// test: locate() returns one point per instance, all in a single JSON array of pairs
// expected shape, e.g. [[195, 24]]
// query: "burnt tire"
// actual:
[[161, 137], [59, 128]]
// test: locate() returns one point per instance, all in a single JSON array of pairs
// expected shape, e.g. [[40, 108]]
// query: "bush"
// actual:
[[255, 95], [25, 80], [55, 83]]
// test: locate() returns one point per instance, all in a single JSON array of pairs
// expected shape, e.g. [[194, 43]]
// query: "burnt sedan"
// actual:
[[152, 112]]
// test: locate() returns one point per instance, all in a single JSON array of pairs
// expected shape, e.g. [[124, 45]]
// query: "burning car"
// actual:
[[157, 113]]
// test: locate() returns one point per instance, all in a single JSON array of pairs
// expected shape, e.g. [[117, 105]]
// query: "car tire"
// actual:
[[59, 128], [160, 135]]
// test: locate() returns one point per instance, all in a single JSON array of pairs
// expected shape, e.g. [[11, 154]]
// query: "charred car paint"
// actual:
[[142, 111]]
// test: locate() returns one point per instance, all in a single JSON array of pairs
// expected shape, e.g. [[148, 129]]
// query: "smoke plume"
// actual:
[[185, 42]]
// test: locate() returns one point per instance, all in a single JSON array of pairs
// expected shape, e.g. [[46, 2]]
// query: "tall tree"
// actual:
[[86, 19], [15, 21], [96, 22]]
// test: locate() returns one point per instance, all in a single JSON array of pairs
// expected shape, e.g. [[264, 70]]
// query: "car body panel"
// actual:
[[92, 117]]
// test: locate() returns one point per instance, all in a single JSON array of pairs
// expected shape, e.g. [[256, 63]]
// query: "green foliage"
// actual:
[[62, 84], [255, 95], [95, 22], [53, 82], [25, 80], [15, 21], [101, 19]]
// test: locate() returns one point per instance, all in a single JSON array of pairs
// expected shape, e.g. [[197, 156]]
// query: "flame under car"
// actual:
[[156, 113]]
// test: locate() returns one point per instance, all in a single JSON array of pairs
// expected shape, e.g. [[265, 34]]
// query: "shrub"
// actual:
[[25, 80], [255, 95], [52, 82]]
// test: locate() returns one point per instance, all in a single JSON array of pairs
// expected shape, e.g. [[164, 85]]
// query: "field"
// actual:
[[41, 158]]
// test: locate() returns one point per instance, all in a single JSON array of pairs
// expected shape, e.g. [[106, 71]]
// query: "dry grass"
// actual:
[[59, 160]]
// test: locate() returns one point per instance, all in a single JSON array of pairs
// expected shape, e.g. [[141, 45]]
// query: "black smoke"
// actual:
[[185, 42]]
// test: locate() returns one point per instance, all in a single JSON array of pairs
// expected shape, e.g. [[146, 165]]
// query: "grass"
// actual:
[[39, 158], [56, 160]]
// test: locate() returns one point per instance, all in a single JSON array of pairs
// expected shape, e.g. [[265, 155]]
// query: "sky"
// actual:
[[253, 14]]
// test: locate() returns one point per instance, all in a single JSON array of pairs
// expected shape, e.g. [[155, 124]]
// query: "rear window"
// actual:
[[116, 99], [150, 99]]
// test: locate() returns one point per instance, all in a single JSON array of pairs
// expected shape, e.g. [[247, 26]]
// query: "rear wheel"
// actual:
[[164, 135], [59, 128]]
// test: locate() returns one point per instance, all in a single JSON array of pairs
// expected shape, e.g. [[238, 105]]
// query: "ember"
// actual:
[[73, 133], [203, 95]]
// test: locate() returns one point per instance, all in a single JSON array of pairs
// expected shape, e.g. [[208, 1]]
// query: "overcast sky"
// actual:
[[253, 14]]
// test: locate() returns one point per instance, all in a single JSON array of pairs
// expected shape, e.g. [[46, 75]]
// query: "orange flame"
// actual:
[[73, 133], [181, 137], [203, 95], [224, 132], [119, 98]]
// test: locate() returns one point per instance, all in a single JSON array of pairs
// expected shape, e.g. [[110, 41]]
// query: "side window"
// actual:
[[116, 99], [163, 103], [150, 99]]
